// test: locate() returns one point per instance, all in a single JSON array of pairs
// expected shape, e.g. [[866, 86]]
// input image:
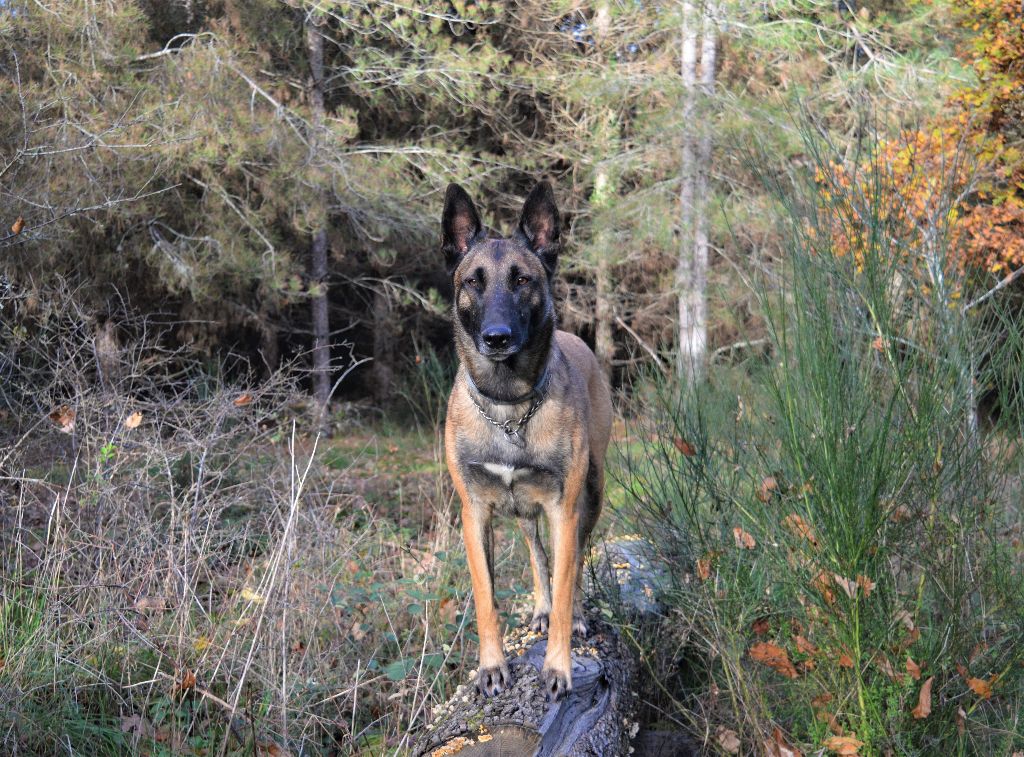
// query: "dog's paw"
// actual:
[[540, 622], [579, 625], [494, 680], [557, 684]]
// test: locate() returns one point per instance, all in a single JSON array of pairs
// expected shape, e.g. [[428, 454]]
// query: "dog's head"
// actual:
[[502, 286]]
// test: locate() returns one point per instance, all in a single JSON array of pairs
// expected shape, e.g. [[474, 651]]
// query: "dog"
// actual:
[[529, 419]]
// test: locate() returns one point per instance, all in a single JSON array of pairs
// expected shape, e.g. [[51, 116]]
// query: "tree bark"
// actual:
[[691, 271], [318, 248], [595, 720], [601, 201]]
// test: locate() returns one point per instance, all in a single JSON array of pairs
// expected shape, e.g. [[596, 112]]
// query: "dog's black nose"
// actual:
[[497, 337]]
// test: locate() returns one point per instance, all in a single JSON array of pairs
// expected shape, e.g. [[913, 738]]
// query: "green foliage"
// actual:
[[842, 505]]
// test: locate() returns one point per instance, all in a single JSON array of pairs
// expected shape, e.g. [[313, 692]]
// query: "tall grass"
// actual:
[[837, 518]]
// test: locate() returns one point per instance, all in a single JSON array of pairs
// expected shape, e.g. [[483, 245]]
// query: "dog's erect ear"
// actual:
[[539, 226], [460, 225]]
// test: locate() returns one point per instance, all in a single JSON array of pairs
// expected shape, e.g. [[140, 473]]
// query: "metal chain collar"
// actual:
[[511, 429]]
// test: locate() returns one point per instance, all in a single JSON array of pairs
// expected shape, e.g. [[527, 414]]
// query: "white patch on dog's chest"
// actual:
[[506, 473]]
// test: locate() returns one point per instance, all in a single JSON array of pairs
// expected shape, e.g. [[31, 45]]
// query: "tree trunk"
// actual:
[[601, 200], [604, 310], [596, 719], [318, 248], [691, 271]]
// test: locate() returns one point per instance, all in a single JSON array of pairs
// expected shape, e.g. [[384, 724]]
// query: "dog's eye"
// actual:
[[523, 280], [469, 281]]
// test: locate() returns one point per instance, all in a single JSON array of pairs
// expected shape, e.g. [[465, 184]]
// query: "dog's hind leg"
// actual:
[[541, 574], [591, 510]]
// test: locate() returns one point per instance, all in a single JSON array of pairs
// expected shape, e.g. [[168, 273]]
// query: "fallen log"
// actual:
[[594, 720]]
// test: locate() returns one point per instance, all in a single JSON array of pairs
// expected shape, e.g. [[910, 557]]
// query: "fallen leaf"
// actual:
[[866, 585], [961, 720], [133, 420], [774, 657], [878, 344], [849, 587], [743, 539], [188, 681], [981, 687], [778, 747], [821, 700], [803, 646], [883, 664], [904, 618], [685, 448], [768, 485], [913, 668], [728, 740], [18, 225], [821, 582], [924, 701], [703, 568], [844, 745], [845, 661], [761, 626], [962, 670], [242, 400], [799, 527], [64, 418]]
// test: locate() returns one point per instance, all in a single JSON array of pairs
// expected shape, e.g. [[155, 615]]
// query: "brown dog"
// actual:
[[528, 424]]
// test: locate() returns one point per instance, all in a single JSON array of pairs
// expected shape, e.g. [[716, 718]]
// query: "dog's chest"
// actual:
[[514, 488]]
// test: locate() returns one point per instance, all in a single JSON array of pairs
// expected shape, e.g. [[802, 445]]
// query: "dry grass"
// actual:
[[211, 580]]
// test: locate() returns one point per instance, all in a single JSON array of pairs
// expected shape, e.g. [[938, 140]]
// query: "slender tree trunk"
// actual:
[[604, 311], [601, 200], [691, 271], [318, 247]]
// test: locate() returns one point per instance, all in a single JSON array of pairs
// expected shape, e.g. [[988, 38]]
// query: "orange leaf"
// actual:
[[775, 657], [243, 400], [845, 661], [188, 681], [18, 225], [844, 745], [684, 447], [924, 701], [878, 344], [821, 583], [980, 686], [778, 747], [768, 485], [866, 585], [743, 539], [799, 527], [133, 420], [913, 668], [64, 418], [761, 626], [704, 568], [803, 646]]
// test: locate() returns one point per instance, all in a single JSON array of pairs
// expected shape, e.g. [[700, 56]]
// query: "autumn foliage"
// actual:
[[949, 195]]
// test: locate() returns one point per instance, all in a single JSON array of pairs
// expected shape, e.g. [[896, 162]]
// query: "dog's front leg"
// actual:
[[493, 676], [565, 522]]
